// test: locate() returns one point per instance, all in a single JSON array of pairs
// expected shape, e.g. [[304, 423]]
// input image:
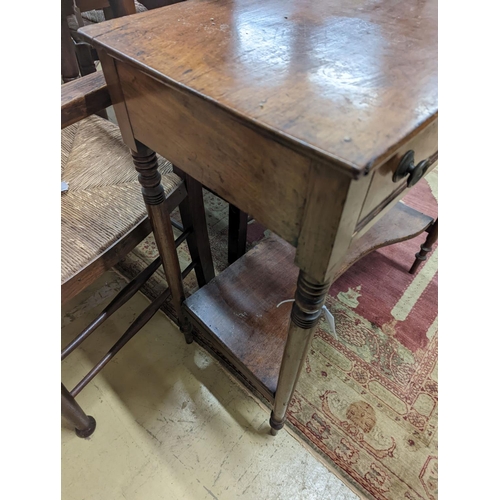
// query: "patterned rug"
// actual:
[[367, 400]]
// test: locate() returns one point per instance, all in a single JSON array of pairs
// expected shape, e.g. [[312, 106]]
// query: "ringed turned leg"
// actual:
[[425, 247], [306, 311], [146, 164], [84, 424]]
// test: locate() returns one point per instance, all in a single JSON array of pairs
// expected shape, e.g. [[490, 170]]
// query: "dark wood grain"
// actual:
[[67, 8], [83, 97], [86, 5], [236, 234], [69, 61], [85, 56], [155, 4], [321, 76], [193, 217], [120, 8], [239, 310]]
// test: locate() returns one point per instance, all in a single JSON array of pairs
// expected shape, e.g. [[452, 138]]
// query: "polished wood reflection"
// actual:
[[326, 74]]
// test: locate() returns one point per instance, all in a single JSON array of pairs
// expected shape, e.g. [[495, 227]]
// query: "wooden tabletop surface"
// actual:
[[350, 79]]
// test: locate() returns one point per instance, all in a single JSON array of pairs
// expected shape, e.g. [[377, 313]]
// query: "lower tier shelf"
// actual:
[[236, 315]]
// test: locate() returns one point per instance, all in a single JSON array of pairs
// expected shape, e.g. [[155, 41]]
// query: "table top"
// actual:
[[350, 80]]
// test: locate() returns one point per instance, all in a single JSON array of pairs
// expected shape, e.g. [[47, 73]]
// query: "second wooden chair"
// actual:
[[105, 213]]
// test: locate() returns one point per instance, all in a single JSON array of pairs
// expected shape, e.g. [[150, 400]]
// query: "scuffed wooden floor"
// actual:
[[171, 423]]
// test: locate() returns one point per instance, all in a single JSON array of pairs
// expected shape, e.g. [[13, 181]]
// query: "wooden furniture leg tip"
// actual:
[[85, 433], [418, 260], [188, 334], [275, 426]]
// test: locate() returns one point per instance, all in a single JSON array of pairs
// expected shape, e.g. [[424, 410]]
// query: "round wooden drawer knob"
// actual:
[[407, 167]]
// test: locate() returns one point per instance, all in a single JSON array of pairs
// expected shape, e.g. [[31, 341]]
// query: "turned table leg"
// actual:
[[84, 424], [306, 311], [146, 164], [425, 247]]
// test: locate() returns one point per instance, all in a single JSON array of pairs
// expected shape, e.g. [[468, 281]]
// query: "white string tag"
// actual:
[[331, 320], [328, 316]]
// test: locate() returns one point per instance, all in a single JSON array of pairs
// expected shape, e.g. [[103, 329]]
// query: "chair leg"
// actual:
[[84, 424], [69, 62], [146, 164], [85, 59], [425, 247], [237, 234], [192, 212]]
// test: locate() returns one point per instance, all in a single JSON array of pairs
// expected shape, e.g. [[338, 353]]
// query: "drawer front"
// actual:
[[383, 191]]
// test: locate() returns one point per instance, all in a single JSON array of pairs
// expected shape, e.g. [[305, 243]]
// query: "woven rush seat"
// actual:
[[104, 201]]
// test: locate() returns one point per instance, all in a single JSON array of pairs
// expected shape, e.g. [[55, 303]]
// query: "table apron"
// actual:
[[253, 172]]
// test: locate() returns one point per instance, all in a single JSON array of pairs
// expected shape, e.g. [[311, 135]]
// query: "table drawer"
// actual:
[[383, 191]]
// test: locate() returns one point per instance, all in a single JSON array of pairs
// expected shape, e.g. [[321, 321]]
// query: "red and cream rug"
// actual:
[[367, 400]]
